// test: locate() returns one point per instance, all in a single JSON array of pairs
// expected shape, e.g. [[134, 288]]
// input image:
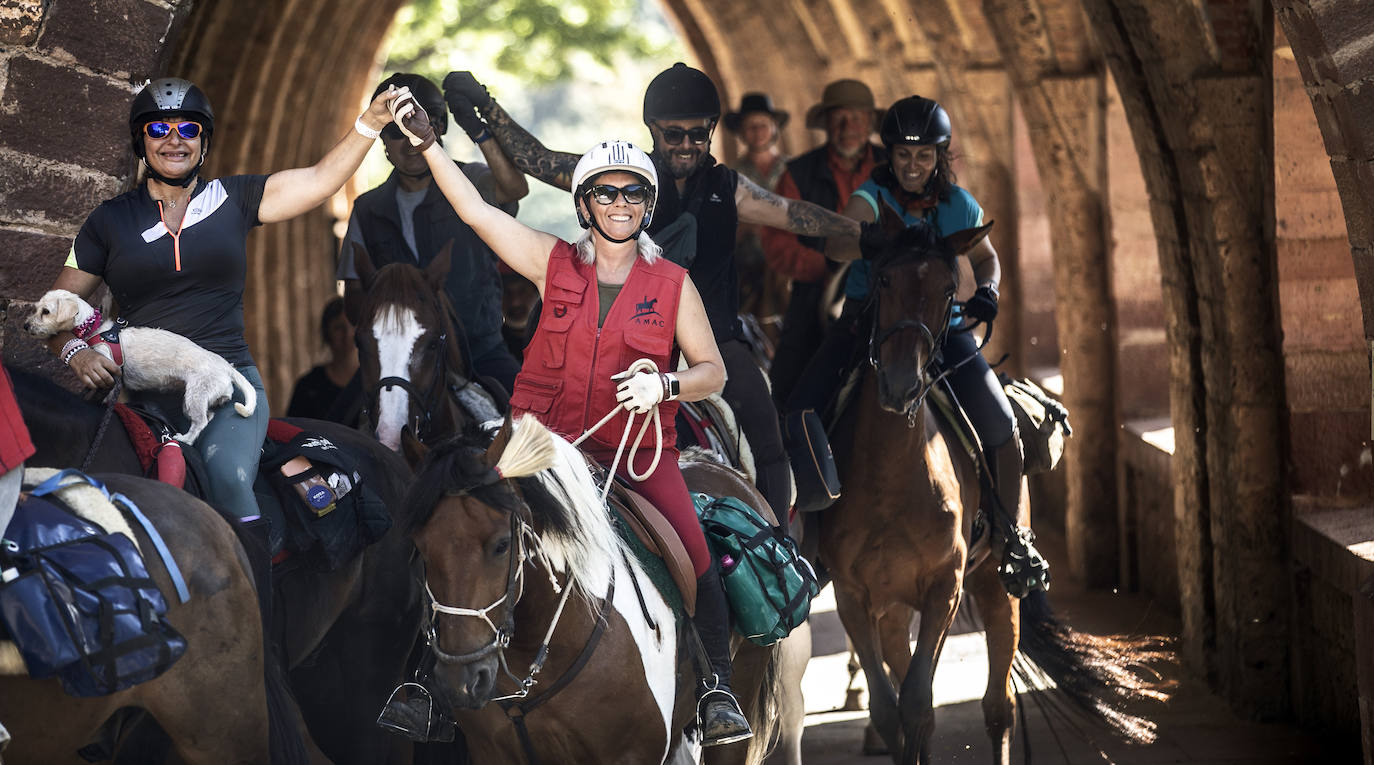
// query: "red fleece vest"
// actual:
[[566, 378]]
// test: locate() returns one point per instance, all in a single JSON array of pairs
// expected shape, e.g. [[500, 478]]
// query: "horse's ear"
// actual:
[[963, 241], [498, 444], [436, 273], [362, 264], [414, 451], [891, 222]]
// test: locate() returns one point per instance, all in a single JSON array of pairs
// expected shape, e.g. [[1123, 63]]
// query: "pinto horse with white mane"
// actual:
[[553, 644]]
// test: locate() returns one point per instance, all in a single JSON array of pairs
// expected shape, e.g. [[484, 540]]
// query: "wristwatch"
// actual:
[[674, 387], [990, 287]]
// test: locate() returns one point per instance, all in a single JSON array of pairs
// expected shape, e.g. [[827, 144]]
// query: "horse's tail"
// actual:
[[1100, 675], [762, 709], [250, 395]]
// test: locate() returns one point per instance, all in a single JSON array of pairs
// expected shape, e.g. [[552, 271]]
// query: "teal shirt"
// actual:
[[961, 211]]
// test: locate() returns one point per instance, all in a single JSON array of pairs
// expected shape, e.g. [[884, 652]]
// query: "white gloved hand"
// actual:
[[640, 392], [411, 118]]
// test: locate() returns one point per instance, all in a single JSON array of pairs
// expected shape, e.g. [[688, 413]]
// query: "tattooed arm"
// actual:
[[532, 157], [758, 205]]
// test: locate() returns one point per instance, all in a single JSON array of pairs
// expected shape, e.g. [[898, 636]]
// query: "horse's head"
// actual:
[[475, 532], [408, 348], [912, 286]]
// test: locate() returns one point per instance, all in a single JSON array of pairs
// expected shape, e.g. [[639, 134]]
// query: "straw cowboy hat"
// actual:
[[754, 102], [842, 94]]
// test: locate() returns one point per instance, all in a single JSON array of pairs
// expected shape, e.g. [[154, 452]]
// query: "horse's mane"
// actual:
[[564, 503], [43, 395], [919, 240]]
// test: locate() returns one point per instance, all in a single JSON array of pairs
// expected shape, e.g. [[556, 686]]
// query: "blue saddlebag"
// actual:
[[82, 607]]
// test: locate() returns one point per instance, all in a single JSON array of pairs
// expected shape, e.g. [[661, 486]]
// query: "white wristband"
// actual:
[[364, 130]]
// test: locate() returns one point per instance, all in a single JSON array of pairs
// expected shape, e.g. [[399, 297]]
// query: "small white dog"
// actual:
[[153, 359]]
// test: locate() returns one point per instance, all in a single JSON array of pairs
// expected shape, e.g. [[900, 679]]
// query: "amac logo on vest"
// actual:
[[644, 311]]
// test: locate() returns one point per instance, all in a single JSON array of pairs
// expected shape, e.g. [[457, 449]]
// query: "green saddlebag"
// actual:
[[768, 583], [1042, 421]]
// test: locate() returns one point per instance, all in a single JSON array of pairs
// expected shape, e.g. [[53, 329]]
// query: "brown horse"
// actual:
[[553, 644], [413, 369], [212, 702], [344, 635], [898, 540]]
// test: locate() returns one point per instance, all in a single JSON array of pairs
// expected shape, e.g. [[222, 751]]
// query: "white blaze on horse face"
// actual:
[[396, 331]]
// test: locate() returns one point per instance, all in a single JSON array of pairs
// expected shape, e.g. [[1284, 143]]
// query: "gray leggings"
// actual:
[[231, 446]]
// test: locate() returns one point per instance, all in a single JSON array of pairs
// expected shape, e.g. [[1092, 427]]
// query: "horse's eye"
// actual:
[[501, 547], [885, 281], [46, 312]]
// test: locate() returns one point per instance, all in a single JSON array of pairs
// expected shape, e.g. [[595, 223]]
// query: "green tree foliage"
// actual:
[[539, 40]]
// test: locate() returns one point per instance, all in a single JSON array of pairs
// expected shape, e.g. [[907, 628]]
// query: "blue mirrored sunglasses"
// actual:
[[187, 130]]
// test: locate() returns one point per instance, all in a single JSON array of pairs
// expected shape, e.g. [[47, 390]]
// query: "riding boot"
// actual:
[[257, 530], [718, 713], [1022, 569], [416, 716]]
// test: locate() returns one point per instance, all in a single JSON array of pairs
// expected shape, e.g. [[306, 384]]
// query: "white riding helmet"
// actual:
[[609, 156]]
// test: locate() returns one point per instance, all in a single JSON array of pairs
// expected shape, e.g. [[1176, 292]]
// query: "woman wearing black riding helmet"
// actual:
[[916, 184], [173, 253]]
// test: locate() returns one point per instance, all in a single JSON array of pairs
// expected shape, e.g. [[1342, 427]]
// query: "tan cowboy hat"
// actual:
[[842, 94], [754, 102]]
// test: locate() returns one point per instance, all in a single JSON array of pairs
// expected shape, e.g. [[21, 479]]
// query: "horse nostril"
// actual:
[[480, 685]]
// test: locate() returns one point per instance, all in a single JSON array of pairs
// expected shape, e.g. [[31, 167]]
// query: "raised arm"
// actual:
[[847, 248], [759, 205], [529, 155], [522, 248], [509, 184], [289, 193]]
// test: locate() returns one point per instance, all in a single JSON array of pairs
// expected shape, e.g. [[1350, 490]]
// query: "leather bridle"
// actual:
[[926, 379]]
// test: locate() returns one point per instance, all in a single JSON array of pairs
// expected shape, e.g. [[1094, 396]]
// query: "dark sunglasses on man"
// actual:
[[605, 194], [673, 135], [160, 129]]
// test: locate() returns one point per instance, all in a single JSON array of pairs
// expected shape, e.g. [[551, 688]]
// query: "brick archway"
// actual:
[[287, 77]]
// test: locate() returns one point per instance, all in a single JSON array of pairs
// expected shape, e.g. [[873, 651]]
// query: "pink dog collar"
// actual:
[[85, 329]]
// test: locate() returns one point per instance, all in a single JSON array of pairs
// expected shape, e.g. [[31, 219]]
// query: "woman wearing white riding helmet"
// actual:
[[609, 300]]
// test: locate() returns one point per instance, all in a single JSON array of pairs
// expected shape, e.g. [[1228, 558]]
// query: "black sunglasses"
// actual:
[[604, 193], [674, 135]]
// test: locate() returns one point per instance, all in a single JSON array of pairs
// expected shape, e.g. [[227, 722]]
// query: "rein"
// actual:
[[518, 705], [642, 365]]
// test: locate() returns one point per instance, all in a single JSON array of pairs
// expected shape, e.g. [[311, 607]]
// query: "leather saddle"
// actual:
[[654, 532]]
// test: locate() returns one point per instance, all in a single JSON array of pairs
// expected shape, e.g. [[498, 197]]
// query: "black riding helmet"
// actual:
[[171, 98], [681, 93], [426, 94], [916, 120]]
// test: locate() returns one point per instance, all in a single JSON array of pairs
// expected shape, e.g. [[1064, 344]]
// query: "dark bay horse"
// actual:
[[553, 644], [411, 361], [212, 702], [345, 635], [897, 542]]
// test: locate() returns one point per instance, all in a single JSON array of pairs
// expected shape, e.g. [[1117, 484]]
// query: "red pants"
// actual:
[[668, 492]]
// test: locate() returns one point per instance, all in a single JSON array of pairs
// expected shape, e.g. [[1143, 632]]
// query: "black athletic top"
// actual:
[[194, 290], [709, 195]]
